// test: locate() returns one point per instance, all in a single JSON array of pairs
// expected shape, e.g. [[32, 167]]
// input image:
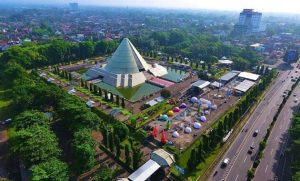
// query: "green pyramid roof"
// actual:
[[126, 60]]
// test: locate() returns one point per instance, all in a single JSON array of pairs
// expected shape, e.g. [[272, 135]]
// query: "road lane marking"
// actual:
[[245, 159], [272, 151], [253, 119], [237, 176], [266, 169]]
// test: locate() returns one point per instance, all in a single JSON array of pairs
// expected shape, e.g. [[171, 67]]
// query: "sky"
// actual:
[[288, 6]]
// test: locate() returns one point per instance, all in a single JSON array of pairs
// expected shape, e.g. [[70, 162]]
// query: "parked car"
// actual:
[[255, 133]]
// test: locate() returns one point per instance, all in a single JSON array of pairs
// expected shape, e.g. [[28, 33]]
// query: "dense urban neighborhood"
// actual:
[[94, 93]]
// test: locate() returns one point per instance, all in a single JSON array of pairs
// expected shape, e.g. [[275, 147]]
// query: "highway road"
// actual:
[[240, 160], [273, 163]]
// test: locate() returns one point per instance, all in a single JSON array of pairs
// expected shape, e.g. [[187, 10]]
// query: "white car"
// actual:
[[225, 162], [296, 100]]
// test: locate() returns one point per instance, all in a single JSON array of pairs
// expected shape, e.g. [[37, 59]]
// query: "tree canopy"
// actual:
[[35, 145], [30, 118], [51, 170]]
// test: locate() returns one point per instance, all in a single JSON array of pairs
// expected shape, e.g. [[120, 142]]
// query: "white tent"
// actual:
[[214, 107], [203, 118], [72, 91], [197, 125], [188, 130], [175, 134], [50, 79], [206, 112], [90, 103]]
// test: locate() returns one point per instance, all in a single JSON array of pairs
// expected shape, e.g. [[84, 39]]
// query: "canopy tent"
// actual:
[[214, 107], [170, 113], [176, 109], [168, 125], [154, 132], [175, 134], [197, 125], [194, 99], [203, 118], [200, 103], [188, 130], [163, 137], [164, 117], [182, 106], [206, 112], [90, 103], [72, 91]]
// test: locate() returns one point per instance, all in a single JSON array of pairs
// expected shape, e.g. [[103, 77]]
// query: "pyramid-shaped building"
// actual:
[[126, 67]]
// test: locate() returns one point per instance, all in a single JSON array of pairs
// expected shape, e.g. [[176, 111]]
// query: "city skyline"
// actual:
[[287, 6]]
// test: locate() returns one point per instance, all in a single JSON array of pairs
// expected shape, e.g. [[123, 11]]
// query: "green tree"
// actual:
[[86, 49], [137, 155], [95, 88], [123, 102], [91, 87], [51, 170], [105, 174], [118, 146], [192, 161], [200, 153], [84, 157], [35, 145], [105, 95], [127, 155], [165, 93], [118, 100], [28, 119], [105, 137], [69, 76], [121, 130], [82, 83], [111, 97], [100, 92], [111, 142]]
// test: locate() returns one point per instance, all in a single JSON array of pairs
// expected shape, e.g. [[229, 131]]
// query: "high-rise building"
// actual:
[[73, 6], [249, 22]]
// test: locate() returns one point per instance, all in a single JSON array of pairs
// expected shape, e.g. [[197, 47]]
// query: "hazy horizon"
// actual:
[[287, 6]]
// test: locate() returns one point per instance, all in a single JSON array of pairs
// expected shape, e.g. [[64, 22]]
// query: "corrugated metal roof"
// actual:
[[145, 171], [248, 75], [244, 86], [201, 84], [228, 76]]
